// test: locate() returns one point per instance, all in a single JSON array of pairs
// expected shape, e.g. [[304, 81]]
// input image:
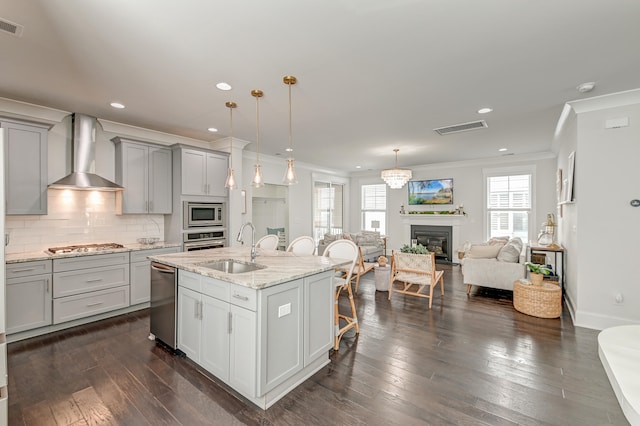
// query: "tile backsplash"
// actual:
[[79, 217]]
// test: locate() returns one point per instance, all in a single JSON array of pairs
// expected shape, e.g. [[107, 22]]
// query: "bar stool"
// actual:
[[344, 249], [304, 245], [268, 242]]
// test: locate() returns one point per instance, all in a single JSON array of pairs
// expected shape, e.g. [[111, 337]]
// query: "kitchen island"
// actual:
[[261, 332]]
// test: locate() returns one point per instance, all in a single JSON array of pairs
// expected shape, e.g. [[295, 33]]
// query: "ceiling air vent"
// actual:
[[11, 27], [456, 128]]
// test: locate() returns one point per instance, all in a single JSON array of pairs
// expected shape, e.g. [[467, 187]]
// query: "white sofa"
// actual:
[[494, 265], [370, 243]]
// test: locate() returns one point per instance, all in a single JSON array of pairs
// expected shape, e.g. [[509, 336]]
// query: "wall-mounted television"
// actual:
[[432, 191]]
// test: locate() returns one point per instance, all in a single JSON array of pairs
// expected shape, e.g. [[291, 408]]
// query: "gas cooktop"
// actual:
[[84, 248]]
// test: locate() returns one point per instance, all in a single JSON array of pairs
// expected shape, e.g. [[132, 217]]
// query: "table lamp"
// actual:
[[375, 224]]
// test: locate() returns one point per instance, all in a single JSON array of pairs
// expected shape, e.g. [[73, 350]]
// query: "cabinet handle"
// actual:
[[241, 297], [146, 206], [23, 270], [47, 289], [150, 206], [195, 309], [93, 280], [230, 322], [94, 304], [201, 306]]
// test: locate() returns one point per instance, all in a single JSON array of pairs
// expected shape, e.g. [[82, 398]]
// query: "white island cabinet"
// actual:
[[262, 332]]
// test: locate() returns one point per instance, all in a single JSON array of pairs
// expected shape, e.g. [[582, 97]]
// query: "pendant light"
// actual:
[[231, 179], [257, 178], [396, 178], [290, 174]]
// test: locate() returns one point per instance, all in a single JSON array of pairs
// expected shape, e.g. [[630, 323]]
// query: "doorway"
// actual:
[[270, 212]]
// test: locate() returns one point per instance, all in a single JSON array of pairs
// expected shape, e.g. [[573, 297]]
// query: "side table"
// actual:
[[542, 301], [382, 276], [555, 250]]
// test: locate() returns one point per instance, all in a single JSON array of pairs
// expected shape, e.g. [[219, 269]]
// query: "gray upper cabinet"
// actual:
[[144, 170], [25, 168], [203, 173]]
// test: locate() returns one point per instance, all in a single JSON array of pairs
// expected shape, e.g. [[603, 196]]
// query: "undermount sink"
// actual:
[[231, 266]]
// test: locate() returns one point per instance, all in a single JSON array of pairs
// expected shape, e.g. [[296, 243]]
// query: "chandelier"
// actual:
[[231, 178], [290, 174], [396, 178]]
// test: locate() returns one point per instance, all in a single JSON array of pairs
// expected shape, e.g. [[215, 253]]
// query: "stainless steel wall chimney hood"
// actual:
[[83, 151]]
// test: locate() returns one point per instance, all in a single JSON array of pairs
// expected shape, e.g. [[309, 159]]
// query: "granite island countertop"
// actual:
[[280, 266]]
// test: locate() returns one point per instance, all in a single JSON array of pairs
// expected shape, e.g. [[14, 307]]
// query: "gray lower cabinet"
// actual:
[[260, 342], [89, 285], [28, 296], [26, 165], [140, 273]]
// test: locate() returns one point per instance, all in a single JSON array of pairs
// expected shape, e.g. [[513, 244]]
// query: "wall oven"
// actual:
[[198, 215], [204, 240]]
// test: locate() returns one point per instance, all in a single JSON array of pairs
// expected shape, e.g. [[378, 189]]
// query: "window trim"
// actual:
[[525, 169]]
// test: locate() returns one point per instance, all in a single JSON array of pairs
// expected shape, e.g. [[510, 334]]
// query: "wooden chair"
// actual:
[[359, 269], [414, 272], [268, 242], [304, 245], [343, 249]]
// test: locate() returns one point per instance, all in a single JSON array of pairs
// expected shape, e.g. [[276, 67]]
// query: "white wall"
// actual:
[[468, 190], [601, 230]]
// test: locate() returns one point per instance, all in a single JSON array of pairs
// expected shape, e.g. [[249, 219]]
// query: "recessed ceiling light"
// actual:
[[223, 86], [117, 105], [586, 87], [289, 149], [502, 149], [484, 110], [212, 129], [358, 167]]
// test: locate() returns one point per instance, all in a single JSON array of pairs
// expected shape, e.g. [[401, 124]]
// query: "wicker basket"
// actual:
[[542, 301]]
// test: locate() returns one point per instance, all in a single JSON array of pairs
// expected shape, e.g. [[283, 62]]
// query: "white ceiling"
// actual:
[[373, 75]]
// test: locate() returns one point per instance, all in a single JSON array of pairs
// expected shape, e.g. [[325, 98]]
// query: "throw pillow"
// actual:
[[347, 236], [274, 231], [498, 241], [510, 252], [328, 238], [478, 251]]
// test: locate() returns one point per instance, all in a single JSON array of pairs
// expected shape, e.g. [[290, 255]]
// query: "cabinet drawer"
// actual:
[[85, 280], [23, 269], [190, 280], [141, 255], [91, 261], [85, 305], [243, 297], [215, 288]]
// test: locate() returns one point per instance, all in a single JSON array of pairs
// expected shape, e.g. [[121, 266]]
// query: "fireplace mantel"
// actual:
[[453, 220]]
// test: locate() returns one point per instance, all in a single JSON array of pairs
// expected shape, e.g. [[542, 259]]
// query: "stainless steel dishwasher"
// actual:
[[164, 291]]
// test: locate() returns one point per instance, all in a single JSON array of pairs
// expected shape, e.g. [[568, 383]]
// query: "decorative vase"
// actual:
[[536, 279]]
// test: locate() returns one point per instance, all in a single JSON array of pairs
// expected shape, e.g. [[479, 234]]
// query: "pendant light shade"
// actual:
[[257, 177], [396, 178], [231, 179], [290, 174]]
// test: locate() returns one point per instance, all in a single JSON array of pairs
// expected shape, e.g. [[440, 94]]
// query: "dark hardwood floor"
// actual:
[[468, 361]]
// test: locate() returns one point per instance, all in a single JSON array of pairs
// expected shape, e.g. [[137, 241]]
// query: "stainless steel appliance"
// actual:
[[163, 313], [202, 214], [205, 239], [84, 248]]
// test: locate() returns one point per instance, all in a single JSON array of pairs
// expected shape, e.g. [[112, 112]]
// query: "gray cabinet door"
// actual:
[[28, 303], [319, 297], [140, 282], [217, 167], [242, 351], [160, 180], [194, 169], [145, 172], [25, 168], [189, 324], [216, 324]]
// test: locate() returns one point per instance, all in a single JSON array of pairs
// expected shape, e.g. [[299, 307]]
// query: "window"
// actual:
[[374, 207], [327, 209], [509, 205]]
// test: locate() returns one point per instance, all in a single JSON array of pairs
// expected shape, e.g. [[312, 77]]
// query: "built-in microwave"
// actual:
[[203, 214]]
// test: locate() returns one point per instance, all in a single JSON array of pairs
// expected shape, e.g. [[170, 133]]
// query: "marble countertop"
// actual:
[[280, 266], [45, 255]]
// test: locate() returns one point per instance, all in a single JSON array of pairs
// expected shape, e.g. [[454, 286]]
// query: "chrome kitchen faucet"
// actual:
[[253, 239]]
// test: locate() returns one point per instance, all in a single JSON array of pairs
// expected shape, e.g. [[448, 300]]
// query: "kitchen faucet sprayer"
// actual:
[[253, 239]]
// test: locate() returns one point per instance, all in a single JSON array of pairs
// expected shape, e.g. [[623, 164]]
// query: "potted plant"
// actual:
[[417, 249], [537, 272]]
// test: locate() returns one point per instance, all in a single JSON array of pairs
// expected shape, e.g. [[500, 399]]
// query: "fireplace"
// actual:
[[437, 239]]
